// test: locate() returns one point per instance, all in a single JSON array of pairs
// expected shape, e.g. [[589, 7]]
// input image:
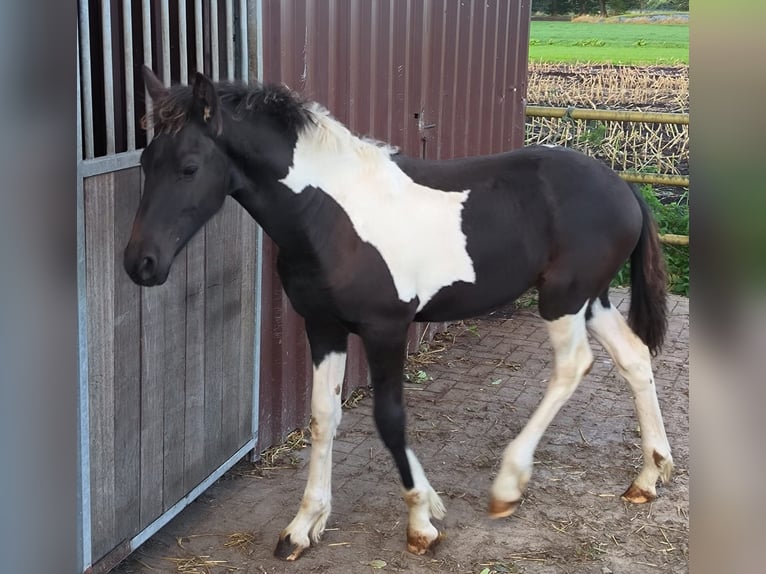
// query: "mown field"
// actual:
[[607, 42]]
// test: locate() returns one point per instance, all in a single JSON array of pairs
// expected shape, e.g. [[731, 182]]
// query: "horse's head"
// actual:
[[187, 177]]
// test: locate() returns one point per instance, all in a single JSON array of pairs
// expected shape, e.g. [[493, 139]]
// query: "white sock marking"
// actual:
[[572, 357], [315, 508], [632, 359]]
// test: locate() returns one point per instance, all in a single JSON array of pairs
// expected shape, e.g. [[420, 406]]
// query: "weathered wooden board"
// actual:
[[127, 369], [99, 242]]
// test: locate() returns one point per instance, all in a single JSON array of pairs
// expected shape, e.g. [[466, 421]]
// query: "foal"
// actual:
[[370, 240]]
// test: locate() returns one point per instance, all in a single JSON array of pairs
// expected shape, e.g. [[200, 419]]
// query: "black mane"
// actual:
[[171, 113]]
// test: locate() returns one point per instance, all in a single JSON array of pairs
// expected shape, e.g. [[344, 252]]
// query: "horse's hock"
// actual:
[[483, 379]]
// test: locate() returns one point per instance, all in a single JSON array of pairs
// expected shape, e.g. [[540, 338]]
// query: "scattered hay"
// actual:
[[356, 397], [416, 366], [242, 541], [282, 456], [200, 565]]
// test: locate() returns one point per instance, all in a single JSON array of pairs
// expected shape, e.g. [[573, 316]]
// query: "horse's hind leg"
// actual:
[[631, 356], [572, 359], [328, 352]]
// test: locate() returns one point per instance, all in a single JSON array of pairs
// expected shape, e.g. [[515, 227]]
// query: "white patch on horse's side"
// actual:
[[550, 145], [416, 229]]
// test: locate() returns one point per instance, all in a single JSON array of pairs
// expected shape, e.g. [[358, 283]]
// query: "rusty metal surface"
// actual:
[[438, 78]]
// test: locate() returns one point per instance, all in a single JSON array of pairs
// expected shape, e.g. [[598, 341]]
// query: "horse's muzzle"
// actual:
[[142, 265]]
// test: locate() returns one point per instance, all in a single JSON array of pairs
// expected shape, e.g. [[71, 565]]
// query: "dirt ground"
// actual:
[[470, 394]]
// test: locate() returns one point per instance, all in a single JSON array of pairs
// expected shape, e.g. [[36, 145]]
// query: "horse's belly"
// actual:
[[464, 300]]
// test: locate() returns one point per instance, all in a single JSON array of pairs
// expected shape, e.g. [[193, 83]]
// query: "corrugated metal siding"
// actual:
[[438, 78]]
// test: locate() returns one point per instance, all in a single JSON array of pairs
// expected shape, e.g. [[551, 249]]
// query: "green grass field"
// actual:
[[615, 43]]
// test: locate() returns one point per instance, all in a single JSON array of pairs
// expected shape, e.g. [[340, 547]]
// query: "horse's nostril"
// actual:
[[147, 268]]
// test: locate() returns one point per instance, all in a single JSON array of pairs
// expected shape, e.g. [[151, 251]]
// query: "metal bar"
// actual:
[[127, 44], [109, 163], [230, 40], [173, 511], [259, 263], [606, 115], [214, 55], [259, 40], [87, 78], [106, 26], [654, 178], [85, 550], [146, 22], [199, 39], [182, 44], [672, 239], [165, 36], [243, 42], [255, 21]]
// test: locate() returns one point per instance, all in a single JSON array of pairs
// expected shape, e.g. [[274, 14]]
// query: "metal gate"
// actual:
[[169, 375]]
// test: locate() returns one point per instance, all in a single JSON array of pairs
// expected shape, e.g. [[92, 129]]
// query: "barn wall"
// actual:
[[438, 78]]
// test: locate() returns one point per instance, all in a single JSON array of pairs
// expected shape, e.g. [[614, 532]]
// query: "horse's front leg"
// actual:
[[328, 353], [385, 353]]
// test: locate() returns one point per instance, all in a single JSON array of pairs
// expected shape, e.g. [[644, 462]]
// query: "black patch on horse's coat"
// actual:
[[523, 221]]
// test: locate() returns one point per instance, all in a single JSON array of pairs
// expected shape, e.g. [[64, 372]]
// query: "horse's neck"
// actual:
[[326, 157]]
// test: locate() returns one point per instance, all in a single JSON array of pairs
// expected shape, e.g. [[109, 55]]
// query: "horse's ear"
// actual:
[[206, 101], [154, 86]]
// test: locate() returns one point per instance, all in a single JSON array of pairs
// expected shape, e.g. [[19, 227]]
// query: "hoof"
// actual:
[[286, 550], [502, 508], [419, 544], [638, 495]]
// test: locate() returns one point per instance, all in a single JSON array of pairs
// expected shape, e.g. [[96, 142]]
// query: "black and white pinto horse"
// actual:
[[370, 240]]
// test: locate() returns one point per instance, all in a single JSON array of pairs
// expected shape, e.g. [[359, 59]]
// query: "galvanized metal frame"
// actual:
[[253, 20], [146, 23], [83, 444], [130, 109], [88, 165]]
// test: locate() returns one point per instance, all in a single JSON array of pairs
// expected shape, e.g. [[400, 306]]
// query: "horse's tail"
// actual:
[[648, 312]]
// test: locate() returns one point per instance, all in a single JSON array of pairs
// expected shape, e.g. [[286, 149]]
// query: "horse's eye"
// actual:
[[189, 170]]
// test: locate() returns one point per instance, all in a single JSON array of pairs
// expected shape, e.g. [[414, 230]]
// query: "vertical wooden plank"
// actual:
[[247, 325], [99, 261], [232, 323], [194, 399], [173, 381], [127, 364], [214, 257], [152, 398]]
